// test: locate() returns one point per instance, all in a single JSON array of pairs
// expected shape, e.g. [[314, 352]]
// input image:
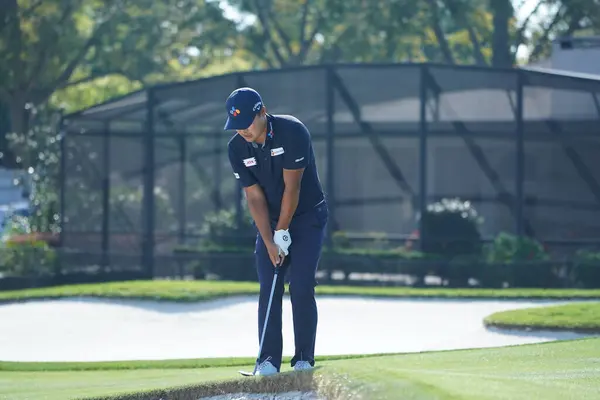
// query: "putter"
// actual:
[[248, 373]]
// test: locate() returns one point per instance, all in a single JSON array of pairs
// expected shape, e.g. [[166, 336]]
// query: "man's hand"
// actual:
[[275, 253], [283, 239]]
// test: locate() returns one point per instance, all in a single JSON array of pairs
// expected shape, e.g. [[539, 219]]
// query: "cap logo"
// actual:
[[257, 106], [234, 111]]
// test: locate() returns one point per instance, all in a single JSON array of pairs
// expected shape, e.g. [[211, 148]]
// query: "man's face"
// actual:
[[256, 130]]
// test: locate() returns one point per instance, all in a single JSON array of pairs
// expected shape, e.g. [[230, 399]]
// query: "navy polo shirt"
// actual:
[[287, 146]]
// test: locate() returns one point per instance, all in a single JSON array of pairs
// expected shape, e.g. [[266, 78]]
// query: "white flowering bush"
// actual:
[[450, 229]]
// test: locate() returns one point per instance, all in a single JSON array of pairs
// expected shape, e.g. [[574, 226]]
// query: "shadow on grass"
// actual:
[[328, 386], [210, 303], [551, 332]]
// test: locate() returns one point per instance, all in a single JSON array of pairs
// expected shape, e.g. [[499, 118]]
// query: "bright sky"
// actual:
[[524, 8]]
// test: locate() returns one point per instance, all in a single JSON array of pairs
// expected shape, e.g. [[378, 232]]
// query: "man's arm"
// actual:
[[257, 204], [291, 194], [296, 158]]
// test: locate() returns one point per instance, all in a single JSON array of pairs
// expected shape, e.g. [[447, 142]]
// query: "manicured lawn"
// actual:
[[583, 317], [205, 290], [557, 370]]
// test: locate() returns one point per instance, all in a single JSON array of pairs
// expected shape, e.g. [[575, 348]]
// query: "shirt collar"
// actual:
[[270, 133]]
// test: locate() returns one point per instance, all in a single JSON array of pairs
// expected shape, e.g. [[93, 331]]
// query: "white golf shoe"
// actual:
[[302, 366], [266, 368]]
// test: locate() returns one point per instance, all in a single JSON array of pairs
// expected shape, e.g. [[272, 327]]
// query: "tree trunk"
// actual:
[[18, 115], [439, 33], [502, 11], [8, 159]]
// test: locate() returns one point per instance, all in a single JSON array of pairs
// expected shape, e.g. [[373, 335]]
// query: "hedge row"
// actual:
[[236, 263]]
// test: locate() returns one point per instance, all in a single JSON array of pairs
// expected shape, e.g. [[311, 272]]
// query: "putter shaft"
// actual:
[[262, 338]]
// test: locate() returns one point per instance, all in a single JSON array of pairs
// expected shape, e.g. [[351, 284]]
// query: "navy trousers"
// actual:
[[308, 232]]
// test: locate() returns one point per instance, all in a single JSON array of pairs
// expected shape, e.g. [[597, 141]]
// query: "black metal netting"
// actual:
[[472, 133]]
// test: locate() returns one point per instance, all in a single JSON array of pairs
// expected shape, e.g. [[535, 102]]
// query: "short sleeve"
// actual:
[[297, 149], [240, 171]]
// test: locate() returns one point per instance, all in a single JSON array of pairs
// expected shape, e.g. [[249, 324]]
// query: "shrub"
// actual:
[[450, 229], [340, 240], [370, 240], [222, 244], [586, 269], [23, 252], [27, 258], [509, 248], [221, 229], [523, 260]]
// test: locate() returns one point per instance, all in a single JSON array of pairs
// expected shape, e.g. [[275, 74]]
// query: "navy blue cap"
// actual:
[[242, 106]]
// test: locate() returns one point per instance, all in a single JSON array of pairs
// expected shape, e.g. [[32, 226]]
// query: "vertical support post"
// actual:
[[423, 84], [596, 103], [331, 200], [217, 174], [106, 195], [239, 194], [62, 177], [520, 150], [148, 198], [239, 211], [182, 188]]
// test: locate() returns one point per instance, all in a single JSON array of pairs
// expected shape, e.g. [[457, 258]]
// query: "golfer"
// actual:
[[273, 159]]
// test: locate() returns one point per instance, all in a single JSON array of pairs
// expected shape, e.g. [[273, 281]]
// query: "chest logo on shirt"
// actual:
[[249, 162], [277, 152]]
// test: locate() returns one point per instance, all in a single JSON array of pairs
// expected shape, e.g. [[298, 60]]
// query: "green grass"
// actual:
[[584, 317], [549, 371], [194, 363], [559, 370], [188, 291]]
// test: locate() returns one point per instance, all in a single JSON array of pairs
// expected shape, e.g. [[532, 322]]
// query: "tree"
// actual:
[[285, 32], [376, 32], [49, 45], [288, 33]]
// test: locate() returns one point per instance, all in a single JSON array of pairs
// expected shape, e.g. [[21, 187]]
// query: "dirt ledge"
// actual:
[[305, 385]]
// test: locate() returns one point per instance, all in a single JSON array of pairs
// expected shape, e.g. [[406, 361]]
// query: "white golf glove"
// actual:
[[283, 239]]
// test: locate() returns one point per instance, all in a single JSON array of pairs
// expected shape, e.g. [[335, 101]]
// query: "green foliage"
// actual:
[[29, 257], [15, 225], [340, 240], [221, 229], [521, 262], [586, 269], [37, 152], [21, 253], [451, 230], [87, 94], [357, 31], [372, 240], [508, 248], [55, 44]]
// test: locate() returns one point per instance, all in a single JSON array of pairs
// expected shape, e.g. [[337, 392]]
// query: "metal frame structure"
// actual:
[[144, 114]]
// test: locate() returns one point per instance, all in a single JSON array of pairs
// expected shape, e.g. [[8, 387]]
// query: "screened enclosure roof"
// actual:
[[348, 97]]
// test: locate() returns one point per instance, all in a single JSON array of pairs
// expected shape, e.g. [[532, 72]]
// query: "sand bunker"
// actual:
[[84, 329]]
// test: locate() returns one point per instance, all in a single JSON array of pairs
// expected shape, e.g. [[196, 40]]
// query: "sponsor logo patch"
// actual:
[[249, 162], [276, 152], [237, 176]]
